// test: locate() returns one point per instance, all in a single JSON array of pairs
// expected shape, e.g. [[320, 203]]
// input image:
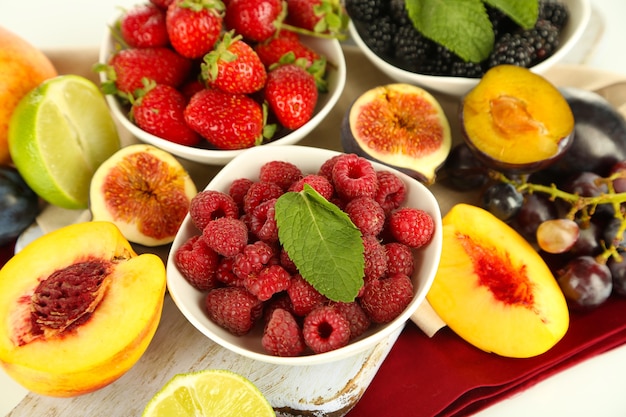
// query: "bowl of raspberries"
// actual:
[[386, 32], [300, 256], [205, 79]]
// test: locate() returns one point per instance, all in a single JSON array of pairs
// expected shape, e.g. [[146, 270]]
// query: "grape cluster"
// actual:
[[577, 223]]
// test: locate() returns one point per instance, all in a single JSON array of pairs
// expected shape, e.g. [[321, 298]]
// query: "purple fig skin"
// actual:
[[600, 135]]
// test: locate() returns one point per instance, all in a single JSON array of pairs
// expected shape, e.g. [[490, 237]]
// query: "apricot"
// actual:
[[516, 120], [493, 289], [78, 308]]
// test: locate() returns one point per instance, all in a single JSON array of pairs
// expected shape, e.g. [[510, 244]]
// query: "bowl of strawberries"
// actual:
[[198, 80], [310, 258]]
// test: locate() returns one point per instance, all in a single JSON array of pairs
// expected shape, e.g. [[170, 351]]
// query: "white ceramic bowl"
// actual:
[[331, 48], [247, 164], [580, 13]]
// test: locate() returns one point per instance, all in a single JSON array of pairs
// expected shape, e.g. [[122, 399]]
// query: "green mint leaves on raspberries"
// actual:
[[322, 242], [463, 26]]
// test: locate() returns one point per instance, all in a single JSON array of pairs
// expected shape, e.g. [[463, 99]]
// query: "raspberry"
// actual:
[[262, 222], [366, 214], [304, 297], [225, 274], [252, 259], [209, 205], [326, 329], [197, 263], [259, 192], [226, 236], [238, 190], [280, 173], [359, 322], [326, 170], [385, 298], [282, 335], [391, 191], [287, 263], [354, 176], [319, 183], [412, 227], [375, 258], [399, 259], [268, 281], [280, 300], [233, 308]]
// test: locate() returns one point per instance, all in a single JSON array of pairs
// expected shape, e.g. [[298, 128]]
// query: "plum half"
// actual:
[[516, 121], [399, 125]]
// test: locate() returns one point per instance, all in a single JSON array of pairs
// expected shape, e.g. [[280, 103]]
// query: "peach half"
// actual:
[[78, 308], [493, 289]]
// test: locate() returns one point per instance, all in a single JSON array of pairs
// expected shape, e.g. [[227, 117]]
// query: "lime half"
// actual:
[[212, 392], [59, 133]]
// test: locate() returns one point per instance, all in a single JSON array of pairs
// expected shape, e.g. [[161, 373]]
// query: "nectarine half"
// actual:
[[78, 308], [493, 289]]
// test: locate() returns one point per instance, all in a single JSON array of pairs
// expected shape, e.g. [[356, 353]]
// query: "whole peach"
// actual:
[[22, 68]]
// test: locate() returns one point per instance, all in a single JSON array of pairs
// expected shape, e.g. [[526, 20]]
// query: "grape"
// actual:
[[619, 184], [618, 273], [610, 233], [588, 242], [557, 235], [465, 172], [536, 208], [502, 200], [19, 205], [588, 184], [585, 282]]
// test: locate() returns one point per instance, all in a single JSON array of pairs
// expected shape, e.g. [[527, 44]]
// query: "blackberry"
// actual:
[[411, 47], [544, 38], [460, 68], [398, 12], [512, 49], [555, 12], [439, 61], [379, 35], [365, 11], [501, 23]]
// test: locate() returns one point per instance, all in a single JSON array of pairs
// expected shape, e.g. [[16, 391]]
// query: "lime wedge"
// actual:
[[59, 133], [212, 392]]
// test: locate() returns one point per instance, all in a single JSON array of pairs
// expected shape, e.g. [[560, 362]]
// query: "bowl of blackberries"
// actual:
[[448, 49]]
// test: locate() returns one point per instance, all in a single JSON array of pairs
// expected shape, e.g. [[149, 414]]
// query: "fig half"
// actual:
[[399, 125], [516, 121]]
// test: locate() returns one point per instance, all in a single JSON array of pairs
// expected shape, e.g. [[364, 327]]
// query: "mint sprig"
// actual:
[[463, 26], [322, 242]]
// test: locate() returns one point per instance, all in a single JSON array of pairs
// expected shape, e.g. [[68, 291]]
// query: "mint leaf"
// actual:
[[462, 26], [322, 242], [523, 12]]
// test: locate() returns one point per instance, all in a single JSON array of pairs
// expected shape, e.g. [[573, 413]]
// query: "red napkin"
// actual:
[[445, 376]]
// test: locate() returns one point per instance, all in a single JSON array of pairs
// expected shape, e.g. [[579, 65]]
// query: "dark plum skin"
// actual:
[[599, 135], [19, 205]]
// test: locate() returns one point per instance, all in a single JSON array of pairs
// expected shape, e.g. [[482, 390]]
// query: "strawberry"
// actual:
[[143, 26], [226, 120], [274, 49], [194, 26], [233, 66], [254, 19], [128, 67], [162, 4], [319, 16], [159, 110], [291, 93]]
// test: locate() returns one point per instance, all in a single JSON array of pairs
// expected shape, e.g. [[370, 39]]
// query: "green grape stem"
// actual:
[[585, 206]]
